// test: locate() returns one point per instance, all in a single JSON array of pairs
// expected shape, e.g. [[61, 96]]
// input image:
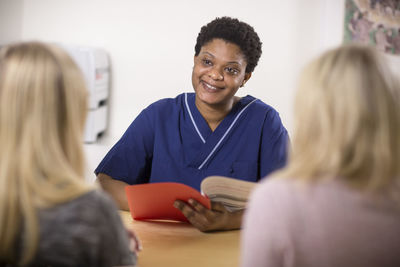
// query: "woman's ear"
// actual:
[[246, 78]]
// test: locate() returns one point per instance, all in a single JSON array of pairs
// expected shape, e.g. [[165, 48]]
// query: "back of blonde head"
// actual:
[[42, 114], [347, 120]]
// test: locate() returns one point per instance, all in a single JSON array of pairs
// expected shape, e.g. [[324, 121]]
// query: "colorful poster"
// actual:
[[373, 22]]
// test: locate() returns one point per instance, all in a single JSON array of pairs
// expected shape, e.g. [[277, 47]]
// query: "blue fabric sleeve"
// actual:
[[274, 144], [130, 158]]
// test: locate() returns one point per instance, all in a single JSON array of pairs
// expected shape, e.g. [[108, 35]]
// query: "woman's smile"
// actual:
[[210, 88]]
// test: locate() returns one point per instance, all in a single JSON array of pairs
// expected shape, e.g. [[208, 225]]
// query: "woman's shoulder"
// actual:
[[288, 192], [263, 114], [257, 103], [295, 186], [271, 186], [165, 108], [94, 197], [84, 209], [330, 190], [258, 107], [169, 103], [89, 222]]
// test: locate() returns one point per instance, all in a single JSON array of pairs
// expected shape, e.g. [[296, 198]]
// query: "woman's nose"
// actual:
[[216, 74]]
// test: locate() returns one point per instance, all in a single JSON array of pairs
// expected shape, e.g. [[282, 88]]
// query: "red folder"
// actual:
[[154, 201]]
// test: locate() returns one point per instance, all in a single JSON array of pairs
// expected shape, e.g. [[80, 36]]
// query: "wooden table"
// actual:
[[180, 244]]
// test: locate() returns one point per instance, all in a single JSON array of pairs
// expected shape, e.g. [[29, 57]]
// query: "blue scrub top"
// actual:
[[170, 141]]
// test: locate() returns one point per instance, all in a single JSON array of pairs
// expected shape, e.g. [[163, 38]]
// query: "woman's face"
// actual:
[[218, 72]]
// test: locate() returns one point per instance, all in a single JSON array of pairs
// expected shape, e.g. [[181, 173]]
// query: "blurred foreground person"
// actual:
[[48, 215], [337, 201]]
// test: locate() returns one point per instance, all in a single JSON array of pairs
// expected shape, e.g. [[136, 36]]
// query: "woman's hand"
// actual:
[[134, 242], [207, 220]]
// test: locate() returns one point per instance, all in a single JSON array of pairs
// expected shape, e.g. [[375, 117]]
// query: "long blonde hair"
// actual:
[[43, 103], [347, 120]]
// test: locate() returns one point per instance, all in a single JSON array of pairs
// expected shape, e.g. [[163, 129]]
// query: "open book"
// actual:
[[232, 193], [154, 201]]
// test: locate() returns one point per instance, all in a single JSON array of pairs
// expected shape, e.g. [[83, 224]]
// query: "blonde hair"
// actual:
[[43, 103], [347, 120]]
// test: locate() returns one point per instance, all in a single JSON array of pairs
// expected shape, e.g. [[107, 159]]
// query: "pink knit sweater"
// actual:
[[289, 223]]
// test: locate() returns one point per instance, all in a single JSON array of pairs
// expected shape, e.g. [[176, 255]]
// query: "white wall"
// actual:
[[10, 20], [151, 45]]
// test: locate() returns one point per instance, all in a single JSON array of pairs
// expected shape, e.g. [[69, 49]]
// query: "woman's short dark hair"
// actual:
[[234, 31]]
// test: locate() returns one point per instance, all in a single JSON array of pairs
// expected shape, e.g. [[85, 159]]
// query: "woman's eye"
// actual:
[[232, 70], [207, 62]]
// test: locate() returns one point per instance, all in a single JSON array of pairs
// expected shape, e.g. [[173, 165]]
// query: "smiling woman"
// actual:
[[209, 132]]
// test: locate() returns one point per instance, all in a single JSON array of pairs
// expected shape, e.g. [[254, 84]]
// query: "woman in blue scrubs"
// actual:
[[209, 132]]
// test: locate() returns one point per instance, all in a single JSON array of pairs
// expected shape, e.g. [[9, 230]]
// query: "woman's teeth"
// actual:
[[210, 86]]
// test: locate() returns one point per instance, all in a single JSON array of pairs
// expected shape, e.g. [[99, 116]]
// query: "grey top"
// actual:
[[86, 231], [325, 224]]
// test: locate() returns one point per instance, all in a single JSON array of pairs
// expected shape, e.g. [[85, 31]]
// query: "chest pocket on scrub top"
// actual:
[[244, 170]]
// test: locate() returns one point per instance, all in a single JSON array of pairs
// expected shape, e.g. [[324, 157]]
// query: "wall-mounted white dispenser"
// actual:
[[94, 64]]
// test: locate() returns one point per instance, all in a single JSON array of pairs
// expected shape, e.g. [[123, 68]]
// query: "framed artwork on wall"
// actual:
[[373, 22]]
